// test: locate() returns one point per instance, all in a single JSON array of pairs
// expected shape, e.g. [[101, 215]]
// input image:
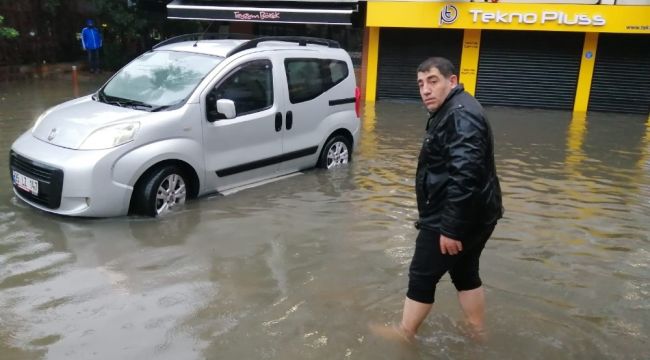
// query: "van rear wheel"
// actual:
[[161, 192], [335, 153]]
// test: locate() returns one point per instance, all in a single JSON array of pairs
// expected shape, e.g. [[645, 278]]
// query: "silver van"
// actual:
[[189, 118]]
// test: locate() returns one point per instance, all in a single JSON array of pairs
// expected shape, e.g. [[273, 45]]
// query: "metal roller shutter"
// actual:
[[621, 81], [529, 68], [402, 50]]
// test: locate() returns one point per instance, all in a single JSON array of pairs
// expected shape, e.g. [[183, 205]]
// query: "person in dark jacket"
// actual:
[[91, 41], [458, 197]]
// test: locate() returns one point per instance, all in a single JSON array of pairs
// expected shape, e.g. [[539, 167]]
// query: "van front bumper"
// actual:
[[70, 182]]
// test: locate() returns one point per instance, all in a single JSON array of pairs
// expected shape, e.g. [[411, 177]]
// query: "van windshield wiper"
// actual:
[[133, 103], [165, 107], [114, 100], [160, 108]]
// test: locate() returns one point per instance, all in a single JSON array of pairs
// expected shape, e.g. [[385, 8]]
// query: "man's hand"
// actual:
[[450, 246]]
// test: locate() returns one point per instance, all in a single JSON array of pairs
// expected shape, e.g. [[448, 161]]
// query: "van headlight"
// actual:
[[110, 136]]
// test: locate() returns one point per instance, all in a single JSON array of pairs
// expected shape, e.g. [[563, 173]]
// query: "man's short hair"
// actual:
[[446, 68]]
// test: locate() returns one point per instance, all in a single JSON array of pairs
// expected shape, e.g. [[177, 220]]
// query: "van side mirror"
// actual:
[[227, 108]]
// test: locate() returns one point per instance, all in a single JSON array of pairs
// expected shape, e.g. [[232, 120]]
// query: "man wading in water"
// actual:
[[458, 197]]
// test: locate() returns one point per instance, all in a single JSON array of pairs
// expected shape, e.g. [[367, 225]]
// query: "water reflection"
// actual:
[[575, 139], [296, 269], [644, 161]]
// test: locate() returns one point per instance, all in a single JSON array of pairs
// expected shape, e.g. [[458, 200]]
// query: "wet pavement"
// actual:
[[296, 269]]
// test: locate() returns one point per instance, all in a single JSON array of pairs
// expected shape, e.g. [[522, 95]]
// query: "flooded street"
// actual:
[[296, 269]]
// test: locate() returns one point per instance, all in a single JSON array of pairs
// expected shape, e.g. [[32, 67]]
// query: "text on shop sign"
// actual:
[[257, 15], [546, 17]]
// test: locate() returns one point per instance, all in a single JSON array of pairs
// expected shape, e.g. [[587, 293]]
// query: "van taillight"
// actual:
[[357, 100]]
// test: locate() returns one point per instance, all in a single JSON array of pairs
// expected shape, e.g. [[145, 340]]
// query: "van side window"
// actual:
[[309, 78], [250, 87]]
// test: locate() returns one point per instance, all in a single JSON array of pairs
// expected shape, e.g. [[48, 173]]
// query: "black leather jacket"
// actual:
[[456, 184]]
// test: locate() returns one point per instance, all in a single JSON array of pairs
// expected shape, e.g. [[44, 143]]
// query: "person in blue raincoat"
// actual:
[[91, 41]]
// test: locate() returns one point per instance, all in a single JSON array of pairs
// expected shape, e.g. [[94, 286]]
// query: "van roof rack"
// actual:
[[201, 36], [301, 40]]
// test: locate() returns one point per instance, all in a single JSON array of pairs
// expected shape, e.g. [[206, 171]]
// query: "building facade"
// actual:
[[555, 55]]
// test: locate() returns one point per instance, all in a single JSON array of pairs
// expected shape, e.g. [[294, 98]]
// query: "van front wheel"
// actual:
[[336, 152], [161, 192]]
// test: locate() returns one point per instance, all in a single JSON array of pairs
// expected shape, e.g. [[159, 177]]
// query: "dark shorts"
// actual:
[[429, 265]]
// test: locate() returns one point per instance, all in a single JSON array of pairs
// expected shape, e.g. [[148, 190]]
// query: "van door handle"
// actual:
[[289, 120], [278, 121]]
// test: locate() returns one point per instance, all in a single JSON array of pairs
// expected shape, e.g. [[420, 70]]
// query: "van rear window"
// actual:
[[309, 78]]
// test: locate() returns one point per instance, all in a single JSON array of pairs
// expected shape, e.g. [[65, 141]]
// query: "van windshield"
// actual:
[[158, 79]]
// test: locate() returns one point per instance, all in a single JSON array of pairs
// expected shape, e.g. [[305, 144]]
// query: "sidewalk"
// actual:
[[43, 71]]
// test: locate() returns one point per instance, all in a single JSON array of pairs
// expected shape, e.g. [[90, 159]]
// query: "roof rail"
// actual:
[[201, 36], [301, 40]]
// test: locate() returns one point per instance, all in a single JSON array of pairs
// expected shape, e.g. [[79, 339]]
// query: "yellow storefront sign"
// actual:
[[509, 16]]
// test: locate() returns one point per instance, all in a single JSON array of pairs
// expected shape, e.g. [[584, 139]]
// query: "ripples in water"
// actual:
[[297, 268]]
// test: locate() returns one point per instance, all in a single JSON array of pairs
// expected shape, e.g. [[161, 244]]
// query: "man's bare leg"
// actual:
[[473, 304], [413, 315]]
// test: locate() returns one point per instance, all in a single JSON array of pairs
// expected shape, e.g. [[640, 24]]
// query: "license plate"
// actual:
[[26, 183]]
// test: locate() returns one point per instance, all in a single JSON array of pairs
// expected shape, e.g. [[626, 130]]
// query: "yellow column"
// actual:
[[586, 72], [469, 59], [373, 61]]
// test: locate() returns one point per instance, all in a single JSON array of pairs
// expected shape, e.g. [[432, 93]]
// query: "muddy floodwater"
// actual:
[[296, 269]]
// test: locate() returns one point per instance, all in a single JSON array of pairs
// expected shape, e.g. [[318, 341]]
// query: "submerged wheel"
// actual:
[[336, 152], [161, 192]]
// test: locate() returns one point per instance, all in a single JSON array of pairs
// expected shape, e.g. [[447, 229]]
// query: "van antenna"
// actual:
[[205, 32]]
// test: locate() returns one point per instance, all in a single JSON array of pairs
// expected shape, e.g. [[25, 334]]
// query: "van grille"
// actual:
[[50, 180]]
